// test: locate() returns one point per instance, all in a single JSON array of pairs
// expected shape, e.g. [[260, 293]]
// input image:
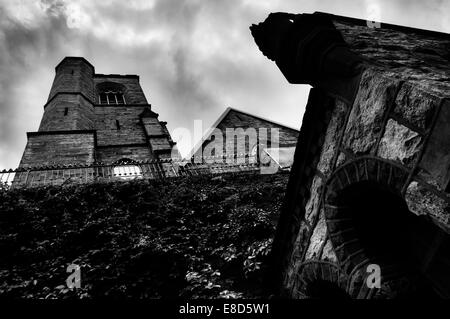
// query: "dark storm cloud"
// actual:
[[194, 58], [24, 50]]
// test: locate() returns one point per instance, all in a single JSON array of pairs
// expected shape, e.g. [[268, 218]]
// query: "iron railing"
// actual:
[[155, 169]]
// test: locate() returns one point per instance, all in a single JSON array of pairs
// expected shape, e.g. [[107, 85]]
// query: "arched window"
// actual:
[[111, 98], [126, 169], [389, 235], [110, 93], [369, 222]]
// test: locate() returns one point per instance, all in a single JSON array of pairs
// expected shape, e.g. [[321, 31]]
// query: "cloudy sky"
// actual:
[[194, 57]]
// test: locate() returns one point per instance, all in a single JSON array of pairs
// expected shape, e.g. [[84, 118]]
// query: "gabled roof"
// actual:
[[208, 134]]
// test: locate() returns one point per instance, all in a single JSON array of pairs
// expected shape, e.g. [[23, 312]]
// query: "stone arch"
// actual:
[[368, 222], [319, 279], [385, 174], [108, 85]]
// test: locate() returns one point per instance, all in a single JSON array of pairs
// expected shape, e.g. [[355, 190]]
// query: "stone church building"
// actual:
[[238, 136], [92, 117], [367, 210], [367, 207], [101, 126]]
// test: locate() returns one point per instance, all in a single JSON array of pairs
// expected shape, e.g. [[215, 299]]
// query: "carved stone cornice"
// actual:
[[307, 48]]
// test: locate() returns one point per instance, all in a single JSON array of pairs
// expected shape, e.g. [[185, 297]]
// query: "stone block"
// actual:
[[328, 253], [330, 144], [416, 105], [317, 239], [436, 158], [422, 201], [376, 93], [313, 204], [400, 143], [341, 159]]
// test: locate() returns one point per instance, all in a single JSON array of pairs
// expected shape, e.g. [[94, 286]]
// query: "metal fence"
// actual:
[[156, 169]]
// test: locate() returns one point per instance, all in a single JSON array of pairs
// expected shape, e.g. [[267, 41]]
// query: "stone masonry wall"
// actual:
[[410, 55], [67, 112], [129, 129], [74, 75], [372, 154], [136, 153], [62, 148], [392, 120]]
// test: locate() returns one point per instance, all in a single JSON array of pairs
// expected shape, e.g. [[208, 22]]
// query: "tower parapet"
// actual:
[[73, 75], [69, 105]]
